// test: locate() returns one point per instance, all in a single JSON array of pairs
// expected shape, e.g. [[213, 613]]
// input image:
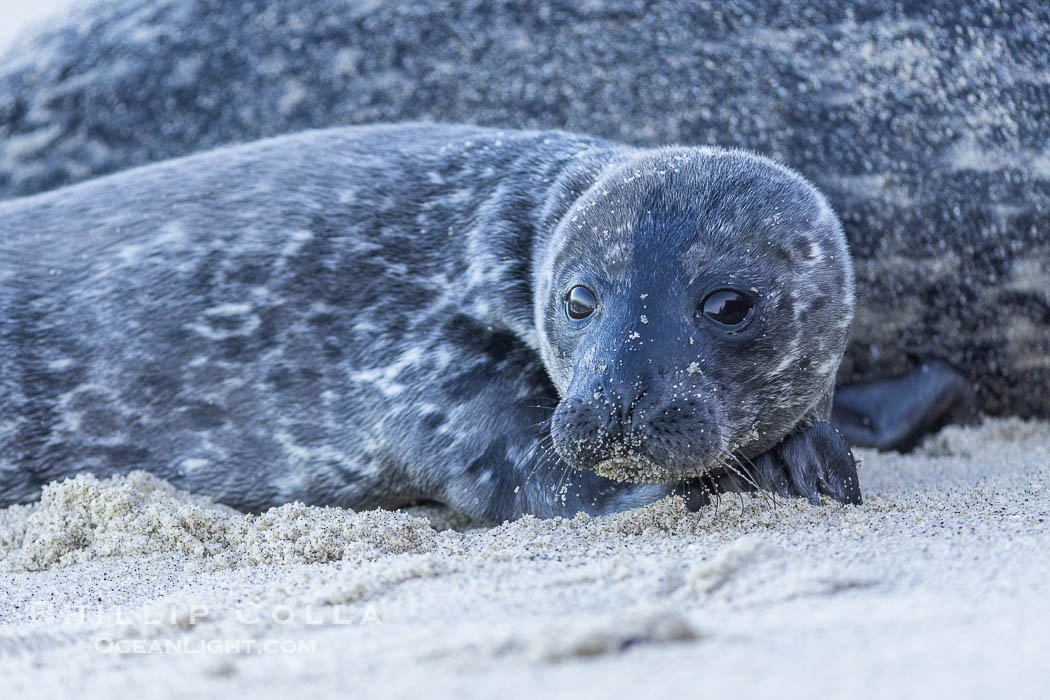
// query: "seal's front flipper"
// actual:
[[894, 414], [812, 461], [815, 460]]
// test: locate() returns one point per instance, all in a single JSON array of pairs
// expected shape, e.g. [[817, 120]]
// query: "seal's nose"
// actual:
[[620, 400]]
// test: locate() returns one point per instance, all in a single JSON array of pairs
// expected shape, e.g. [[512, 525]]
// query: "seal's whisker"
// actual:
[[738, 471], [528, 454], [765, 493], [565, 472], [737, 488], [697, 479], [549, 458], [544, 447]]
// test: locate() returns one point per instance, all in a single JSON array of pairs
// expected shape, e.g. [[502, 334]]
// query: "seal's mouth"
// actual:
[[666, 441], [636, 468]]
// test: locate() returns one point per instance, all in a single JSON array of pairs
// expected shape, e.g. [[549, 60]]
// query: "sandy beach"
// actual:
[[936, 587]]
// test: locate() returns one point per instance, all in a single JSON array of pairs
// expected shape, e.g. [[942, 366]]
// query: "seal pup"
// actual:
[[505, 322]]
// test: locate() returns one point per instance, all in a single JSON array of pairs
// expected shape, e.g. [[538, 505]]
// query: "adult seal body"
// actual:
[[371, 316]]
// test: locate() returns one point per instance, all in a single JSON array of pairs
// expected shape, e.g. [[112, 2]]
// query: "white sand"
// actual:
[[939, 586]]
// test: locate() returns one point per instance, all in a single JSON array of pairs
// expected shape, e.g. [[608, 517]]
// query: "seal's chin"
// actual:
[[635, 468]]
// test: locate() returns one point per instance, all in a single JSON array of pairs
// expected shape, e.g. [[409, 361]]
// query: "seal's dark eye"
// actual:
[[580, 303], [727, 307]]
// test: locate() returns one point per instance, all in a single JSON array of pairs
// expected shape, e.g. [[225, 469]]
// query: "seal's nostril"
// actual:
[[629, 411]]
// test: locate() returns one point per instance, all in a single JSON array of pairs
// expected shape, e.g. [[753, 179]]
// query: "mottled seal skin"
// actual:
[[372, 316], [926, 124]]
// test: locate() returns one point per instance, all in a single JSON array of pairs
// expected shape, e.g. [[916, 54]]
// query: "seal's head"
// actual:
[[693, 303]]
